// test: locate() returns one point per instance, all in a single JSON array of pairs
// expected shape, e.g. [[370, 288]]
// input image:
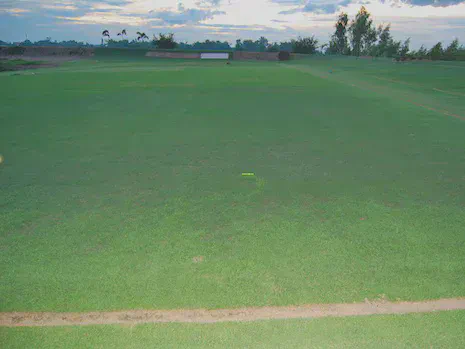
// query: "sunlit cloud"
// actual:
[[183, 15], [60, 7], [14, 10], [173, 26], [106, 18], [100, 7]]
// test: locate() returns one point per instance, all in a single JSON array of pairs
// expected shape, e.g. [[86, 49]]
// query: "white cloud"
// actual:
[[404, 10], [14, 10], [106, 18], [103, 6], [61, 7], [247, 12]]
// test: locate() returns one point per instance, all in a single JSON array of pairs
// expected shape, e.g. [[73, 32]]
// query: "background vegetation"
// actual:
[[356, 37]]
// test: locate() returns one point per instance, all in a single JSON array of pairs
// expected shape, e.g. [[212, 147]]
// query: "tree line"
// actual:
[[358, 37], [48, 42], [361, 38], [167, 42]]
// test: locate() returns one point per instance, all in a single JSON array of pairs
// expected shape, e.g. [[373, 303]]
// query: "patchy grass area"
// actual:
[[18, 64], [433, 86], [435, 330], [121, 184]]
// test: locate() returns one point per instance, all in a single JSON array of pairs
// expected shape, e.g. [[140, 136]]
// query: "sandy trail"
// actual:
[[134, 317]]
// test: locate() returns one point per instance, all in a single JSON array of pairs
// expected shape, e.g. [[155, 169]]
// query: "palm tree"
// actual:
[[123, 33], [141, 36], [106, 33]]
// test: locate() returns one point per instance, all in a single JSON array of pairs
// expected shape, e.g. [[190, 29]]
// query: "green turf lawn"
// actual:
[[435, 330], [120, 174]]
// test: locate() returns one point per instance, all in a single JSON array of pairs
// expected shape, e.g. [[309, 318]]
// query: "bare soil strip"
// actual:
[[134, 317]]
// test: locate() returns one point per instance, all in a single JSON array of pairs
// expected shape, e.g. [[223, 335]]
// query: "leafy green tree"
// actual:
[[451, 51], [46, 42], [460, 55], [274, 47], [361, 31], [250, 45], [393, 48], [404, 49], [369, 42], [384, 37], [262, 44], [207, 45], [422, 53], [384, 40], [285, 46], [332, 48], [165, 41], [436, 51], [386, 43], [338, 43], [307, 45], [122, 43]]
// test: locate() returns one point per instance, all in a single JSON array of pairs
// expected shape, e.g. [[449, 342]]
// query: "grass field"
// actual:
[[436, 330], [121, 184]]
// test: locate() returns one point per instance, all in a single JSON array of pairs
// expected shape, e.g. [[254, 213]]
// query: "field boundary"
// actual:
[[134, 317]]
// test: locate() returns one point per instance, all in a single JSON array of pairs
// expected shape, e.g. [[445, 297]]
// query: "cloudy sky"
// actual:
[[425, 21]]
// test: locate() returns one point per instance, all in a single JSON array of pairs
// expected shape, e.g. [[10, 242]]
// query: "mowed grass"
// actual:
[[435, 330], [429, 85], [121, 185]]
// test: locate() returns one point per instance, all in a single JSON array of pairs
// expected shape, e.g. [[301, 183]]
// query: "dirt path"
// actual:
[[133, 317]]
